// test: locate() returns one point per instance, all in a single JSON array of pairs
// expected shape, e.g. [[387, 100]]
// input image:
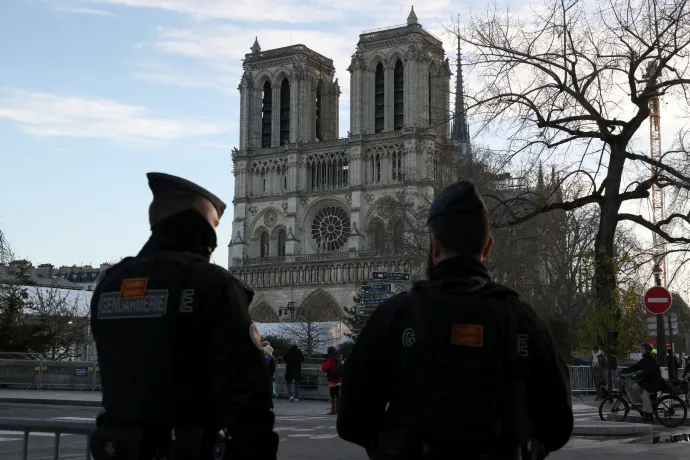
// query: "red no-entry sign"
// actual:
[[657, 300]]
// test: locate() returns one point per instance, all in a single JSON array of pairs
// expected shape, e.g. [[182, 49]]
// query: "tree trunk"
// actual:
[[605, 264]]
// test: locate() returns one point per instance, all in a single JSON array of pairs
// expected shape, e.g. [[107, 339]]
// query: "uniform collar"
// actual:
[[459, 267], [184, 232]]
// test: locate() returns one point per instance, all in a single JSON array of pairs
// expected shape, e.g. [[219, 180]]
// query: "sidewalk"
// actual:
[[282, 407]]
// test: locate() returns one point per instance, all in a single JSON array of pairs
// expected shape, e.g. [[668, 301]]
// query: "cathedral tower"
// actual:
[[399, 79], [287, 95]]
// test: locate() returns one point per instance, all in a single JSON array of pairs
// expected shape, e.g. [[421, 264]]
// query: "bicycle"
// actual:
[[662, 406]]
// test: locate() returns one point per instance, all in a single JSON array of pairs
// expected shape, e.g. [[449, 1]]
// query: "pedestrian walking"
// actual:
[[272, 364], [181, 363], [333, 367], [599, 369], [293, 360], [458, 366]]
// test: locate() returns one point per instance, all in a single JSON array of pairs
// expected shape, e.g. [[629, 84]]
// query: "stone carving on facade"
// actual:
[[369, 198], [270, 218], [357, 63], [238, 239], [291, 235], [301, 72], [253, 210], [304, 201], [348, 198], [284, 206], [415, 52], [355, 230]]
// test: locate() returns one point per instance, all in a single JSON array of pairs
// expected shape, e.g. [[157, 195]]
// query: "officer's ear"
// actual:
[[437, 251], [487, 248]]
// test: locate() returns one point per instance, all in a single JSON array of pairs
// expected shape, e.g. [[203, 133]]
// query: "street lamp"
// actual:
[[287, 311]]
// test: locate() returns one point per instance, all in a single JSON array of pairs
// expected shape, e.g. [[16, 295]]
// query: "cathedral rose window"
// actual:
[[330, 228]]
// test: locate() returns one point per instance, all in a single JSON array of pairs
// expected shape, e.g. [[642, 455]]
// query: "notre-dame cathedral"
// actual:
[[306, 231]]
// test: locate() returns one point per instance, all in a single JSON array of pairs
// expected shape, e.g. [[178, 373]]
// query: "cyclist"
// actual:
[[648, 378]]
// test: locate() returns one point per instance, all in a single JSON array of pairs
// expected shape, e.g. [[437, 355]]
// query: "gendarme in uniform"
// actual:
[[459, 366], [181, 363]]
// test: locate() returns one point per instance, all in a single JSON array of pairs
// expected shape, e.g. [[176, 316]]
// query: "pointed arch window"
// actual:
[[375, 167], [319, 111], [398, 96], [266, 114], [379, 98], [281, 243], [430, 96], [284, 112], [377, 234], [398, 237], [263, 245]]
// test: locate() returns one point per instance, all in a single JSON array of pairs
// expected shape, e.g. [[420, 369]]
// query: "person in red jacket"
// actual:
[[333, 367]]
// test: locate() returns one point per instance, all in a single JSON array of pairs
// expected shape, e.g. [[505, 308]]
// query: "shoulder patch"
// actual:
[[133, 288], [467, 335], [255, 336]]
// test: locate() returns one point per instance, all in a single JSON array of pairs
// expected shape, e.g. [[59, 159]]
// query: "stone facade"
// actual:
[[305, 227]]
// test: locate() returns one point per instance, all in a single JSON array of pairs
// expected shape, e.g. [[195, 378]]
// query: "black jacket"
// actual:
[[650, 373], [293, 360], [185, 353], [369, 386]]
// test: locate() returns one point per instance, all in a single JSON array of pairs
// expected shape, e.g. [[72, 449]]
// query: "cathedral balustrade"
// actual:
[[318, 271]]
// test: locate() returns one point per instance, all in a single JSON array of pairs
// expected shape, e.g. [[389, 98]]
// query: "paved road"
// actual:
[[307, 437]]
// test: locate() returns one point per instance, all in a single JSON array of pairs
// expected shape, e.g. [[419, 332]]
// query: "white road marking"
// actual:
[[324, 436], [76, 419]]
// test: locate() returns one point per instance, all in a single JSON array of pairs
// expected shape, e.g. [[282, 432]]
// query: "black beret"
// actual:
[[161, 183], [458, 198]]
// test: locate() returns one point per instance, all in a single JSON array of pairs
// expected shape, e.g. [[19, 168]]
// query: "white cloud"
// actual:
[[61, 150], [49, 115], [291, 11], [90, 11]]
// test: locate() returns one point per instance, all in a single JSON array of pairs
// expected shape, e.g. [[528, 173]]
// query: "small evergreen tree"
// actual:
[[354, 318]]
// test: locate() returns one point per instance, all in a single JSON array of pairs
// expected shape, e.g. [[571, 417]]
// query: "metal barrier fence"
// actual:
[[27, 426], [85, 376], [581, 379]]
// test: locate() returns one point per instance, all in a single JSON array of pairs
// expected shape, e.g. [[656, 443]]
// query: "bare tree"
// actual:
[[61, 321], [574, 87], [312, 327], [6, 254]]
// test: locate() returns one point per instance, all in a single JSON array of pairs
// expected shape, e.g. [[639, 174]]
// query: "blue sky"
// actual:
[[95, 93]]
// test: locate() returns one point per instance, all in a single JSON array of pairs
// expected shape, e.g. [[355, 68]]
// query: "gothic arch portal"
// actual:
[[262, 313], [319, 306]]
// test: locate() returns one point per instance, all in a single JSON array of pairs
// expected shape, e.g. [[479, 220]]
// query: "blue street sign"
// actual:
[[374, 288], [392, 276], [369, 302]]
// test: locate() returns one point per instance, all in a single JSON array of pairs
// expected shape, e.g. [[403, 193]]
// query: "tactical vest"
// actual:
[[153, 302], [464, 385]]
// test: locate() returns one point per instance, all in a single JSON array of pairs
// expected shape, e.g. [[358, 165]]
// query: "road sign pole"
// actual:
[[660, 328]]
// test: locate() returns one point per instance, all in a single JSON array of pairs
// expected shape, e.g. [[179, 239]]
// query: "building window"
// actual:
[[396, 166], [266, 114], [398, 236], [281, 243], [327, 171], [319, 111], [284, 112], [263, 245], [375, 166], [399, 95], [330, 228], [379, 99], [430, 99], [377, 236]]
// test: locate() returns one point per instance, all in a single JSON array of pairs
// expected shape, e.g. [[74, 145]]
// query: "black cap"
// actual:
[[161, 183], [458, 198]]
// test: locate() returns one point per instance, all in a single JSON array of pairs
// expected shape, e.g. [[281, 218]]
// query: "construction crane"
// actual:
[[658, 206]]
